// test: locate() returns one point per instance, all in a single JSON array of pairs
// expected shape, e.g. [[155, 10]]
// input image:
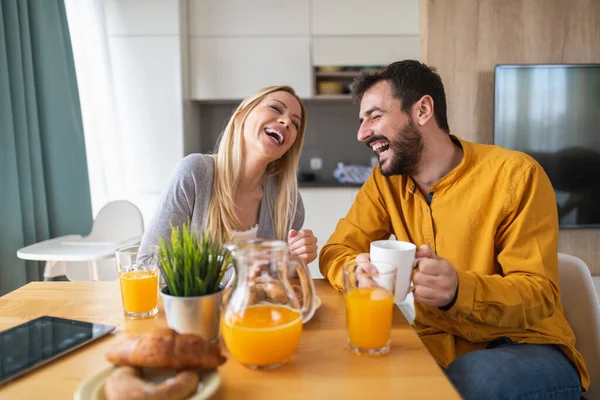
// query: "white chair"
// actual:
[[118, 224], [582, 310]]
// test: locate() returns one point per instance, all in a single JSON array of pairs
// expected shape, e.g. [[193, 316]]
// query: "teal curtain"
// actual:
[[44, 188]]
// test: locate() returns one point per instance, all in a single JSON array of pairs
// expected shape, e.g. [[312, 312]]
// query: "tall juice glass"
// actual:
[[369, 296], [138, 275]]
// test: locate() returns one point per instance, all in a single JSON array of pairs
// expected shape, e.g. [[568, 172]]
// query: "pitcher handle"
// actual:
[[231, 279], [308, 289]]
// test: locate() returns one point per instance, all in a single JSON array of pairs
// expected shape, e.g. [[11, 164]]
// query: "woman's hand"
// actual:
[[303, 244]]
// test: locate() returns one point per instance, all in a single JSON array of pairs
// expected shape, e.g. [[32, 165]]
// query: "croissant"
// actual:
[[271, 289], [165, 348], [126, 383], [299, 294]]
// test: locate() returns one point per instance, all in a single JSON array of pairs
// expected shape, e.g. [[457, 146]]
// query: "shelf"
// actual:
[[337, 75], [332, 97], [327, 184]]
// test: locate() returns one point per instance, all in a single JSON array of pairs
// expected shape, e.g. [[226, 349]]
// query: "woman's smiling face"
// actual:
[[272, 126]]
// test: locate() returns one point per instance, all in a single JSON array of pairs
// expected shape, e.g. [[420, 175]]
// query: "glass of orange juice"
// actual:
[[138, 274], [369, 293]]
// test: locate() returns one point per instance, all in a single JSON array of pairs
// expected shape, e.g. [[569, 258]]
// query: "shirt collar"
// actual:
[[453, 175]]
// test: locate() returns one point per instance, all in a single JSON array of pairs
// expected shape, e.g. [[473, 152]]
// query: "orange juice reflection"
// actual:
[[265, 335], [369, 317], [139, 290]]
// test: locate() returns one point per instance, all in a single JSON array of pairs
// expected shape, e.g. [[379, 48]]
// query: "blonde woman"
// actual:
[[248, 188]]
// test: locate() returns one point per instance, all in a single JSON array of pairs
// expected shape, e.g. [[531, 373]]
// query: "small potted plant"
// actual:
[[193, 269]]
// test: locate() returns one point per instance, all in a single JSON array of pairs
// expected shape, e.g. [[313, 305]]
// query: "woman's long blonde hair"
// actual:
[[222, 218]]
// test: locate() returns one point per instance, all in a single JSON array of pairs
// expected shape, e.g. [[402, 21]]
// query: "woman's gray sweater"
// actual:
[[188, 196]]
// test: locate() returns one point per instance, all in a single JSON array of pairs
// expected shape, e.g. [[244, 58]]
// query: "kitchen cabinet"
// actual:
[[363, 50], [239, 46], [323, 209], [246, 18], [349, 33], [356, 17], [235, 67]]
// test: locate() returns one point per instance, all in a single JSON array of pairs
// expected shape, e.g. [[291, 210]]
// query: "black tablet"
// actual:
[[34, 343]]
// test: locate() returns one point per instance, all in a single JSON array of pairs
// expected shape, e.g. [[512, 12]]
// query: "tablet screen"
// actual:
[[27, 346]]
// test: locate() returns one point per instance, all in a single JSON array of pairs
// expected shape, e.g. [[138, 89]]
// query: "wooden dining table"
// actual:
[[322, 367]]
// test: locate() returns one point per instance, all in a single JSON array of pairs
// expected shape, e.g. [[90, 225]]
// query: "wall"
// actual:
[[465, 39], [330, 134], [148, 50]]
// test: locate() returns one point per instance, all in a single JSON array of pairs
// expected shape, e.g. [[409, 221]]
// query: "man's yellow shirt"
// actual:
[[494, 217]]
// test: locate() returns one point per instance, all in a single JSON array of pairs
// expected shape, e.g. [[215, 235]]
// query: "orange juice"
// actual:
[[139, 290], [265, 335], [369, 317]]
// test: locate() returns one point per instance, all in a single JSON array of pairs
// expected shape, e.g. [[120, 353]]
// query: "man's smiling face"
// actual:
[[390, 132]]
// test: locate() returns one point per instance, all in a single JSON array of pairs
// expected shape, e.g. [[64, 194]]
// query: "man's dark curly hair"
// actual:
[[410, 80]]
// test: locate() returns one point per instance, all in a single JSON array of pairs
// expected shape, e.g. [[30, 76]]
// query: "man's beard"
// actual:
[[406, 150]]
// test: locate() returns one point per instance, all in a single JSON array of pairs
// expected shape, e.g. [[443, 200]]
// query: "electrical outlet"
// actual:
[[316, 164]]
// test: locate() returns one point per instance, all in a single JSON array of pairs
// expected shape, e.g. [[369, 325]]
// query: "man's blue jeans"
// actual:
[[515, 371]]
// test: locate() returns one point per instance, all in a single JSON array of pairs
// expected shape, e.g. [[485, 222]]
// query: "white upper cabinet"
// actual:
[[239, 46], [360, 17], [248, 17], [364, 50], [233, 68]]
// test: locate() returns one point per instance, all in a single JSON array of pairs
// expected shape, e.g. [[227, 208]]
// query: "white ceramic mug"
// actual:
[[399, 254]]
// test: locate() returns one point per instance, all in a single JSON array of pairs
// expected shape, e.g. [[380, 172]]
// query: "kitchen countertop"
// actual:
[[327, 184]]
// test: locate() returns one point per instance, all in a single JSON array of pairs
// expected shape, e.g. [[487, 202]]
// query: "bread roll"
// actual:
[[165, 348], [125, 383]]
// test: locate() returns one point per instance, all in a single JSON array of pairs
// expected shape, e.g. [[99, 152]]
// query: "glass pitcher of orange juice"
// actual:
[[261, 324]]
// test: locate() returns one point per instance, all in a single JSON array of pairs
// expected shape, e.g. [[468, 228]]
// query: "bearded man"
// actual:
[[486, 292]]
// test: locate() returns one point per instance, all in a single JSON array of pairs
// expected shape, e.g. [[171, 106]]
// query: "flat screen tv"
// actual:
[[552, 112]]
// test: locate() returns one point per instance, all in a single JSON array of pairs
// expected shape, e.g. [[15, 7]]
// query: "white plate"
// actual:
[[93, 387], [318, 303]]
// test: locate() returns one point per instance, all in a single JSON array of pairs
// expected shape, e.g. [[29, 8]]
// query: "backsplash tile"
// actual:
[[330, 135]]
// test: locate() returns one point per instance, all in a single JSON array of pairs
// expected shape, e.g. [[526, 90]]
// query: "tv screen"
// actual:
[[552, 112]]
